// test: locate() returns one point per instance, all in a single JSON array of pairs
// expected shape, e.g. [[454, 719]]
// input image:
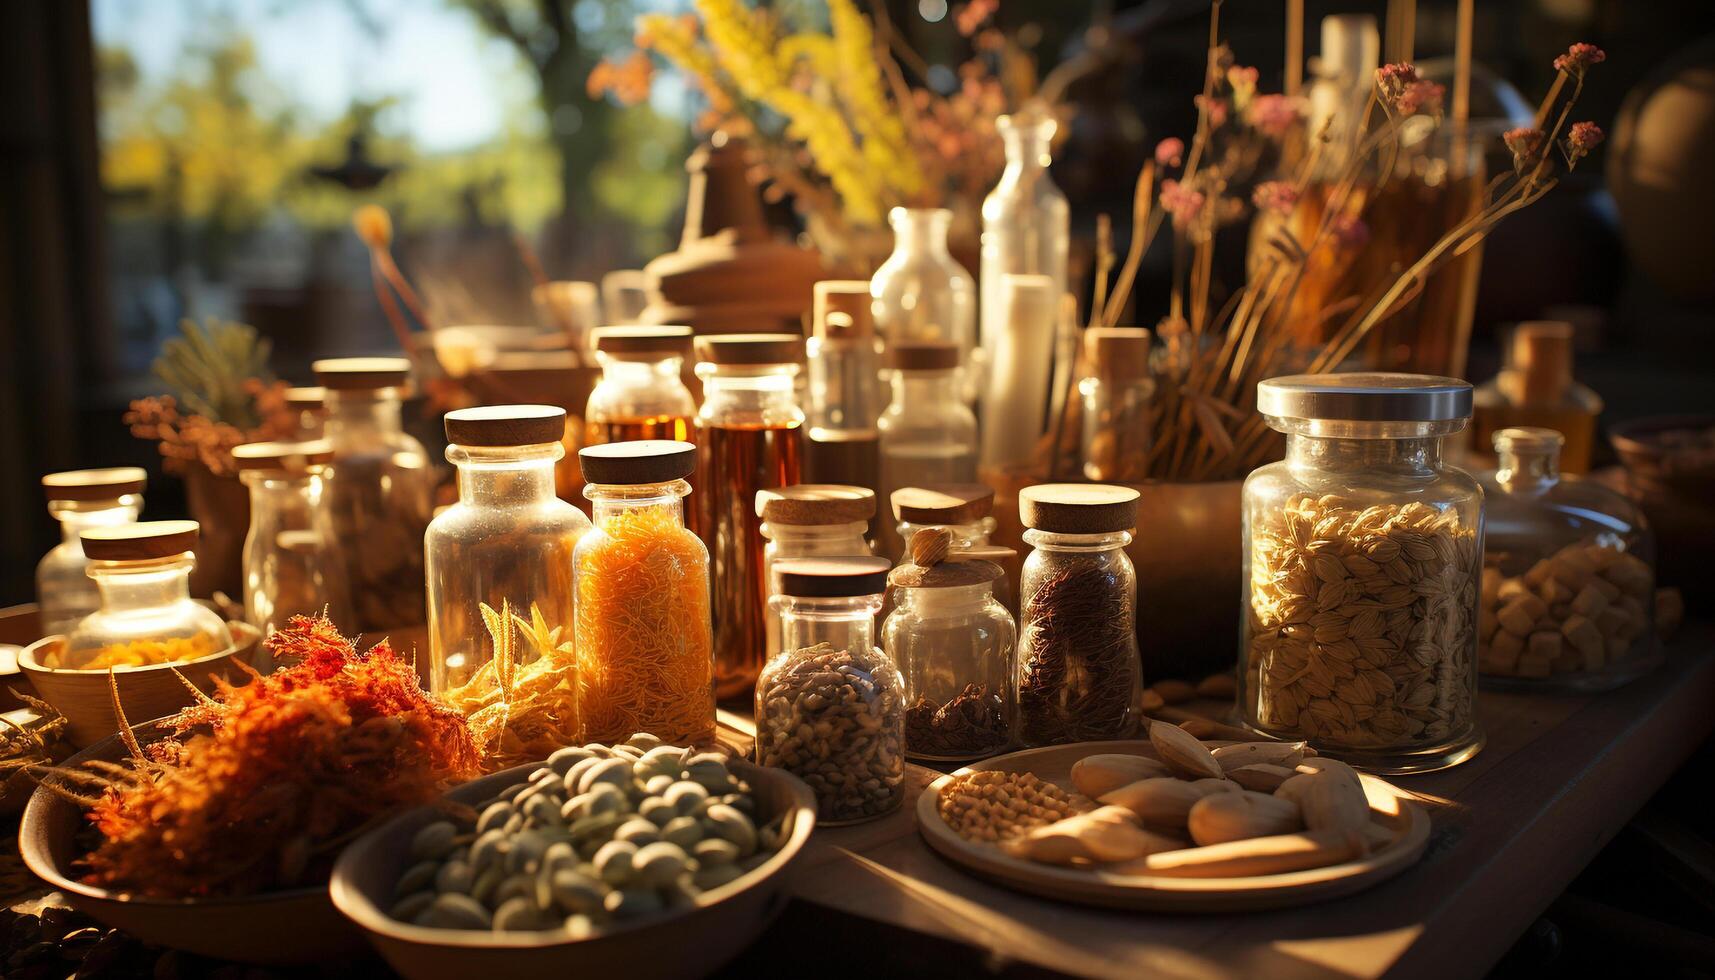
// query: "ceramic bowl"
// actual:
[[689, 943], [299, 925], [86, 700]]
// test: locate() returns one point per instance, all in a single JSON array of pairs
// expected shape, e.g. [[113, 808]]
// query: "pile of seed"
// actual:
[[996, 806], [596, 835], [836, 719]]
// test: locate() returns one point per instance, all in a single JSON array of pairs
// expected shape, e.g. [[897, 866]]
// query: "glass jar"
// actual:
[[844, 358], [749, 438], [928, 434], [81, 499], [1536, 389], [810, 520], [1080, 677], [954, 644], [1362, 554], [1568, 589], [147, 615], [506, 544], [309, 412], [643, 628], [293, 564], [641, 394], [921, 293], [1116, 396], [830, 708], [379, 489]]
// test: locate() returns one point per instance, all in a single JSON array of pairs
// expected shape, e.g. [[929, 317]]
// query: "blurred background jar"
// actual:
[[642, 394], [292, 560], [1116, 395], [921, 293], [79, 500], [928, 433], [1535, 388]]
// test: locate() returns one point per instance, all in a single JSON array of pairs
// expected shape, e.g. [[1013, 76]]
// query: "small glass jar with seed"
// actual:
[[1362, 551]]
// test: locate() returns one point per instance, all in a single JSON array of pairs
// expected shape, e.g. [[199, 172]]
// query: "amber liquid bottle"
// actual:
[[1536, 390], [642, 393], [749, 438]]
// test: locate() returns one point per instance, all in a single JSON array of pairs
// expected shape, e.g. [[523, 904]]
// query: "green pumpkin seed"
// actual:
[[454, 911], [562, 760], [659, 863], [657, 811], [433, 840], [521, 914], [408, 908], [714, 850], [683, 831], [455, 876], [644, 741], [630, 902], [638, 831], [573, 892], [613, 862], [727, 823], [418, 877], [495, 816], [685, 795], [616, 771]]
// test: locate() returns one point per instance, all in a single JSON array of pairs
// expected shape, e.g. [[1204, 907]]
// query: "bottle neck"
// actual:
[[960, 600], [75, 516], [1332, 453], [360, 412], [610, 500], [142, 585], [1027, 151], [845, 623], [493, 476], [1076, 543], [638, 374], [765, 396], [920, 230], [923, 389], [1527, 471]]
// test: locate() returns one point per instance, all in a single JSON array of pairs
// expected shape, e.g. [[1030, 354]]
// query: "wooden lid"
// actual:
[[815, 503], [843, 310], [291, 457], [638, 462], [1078, 508], [751, 349], [361, 373], [506, 425], [1541, 358], [924, 355], [949, 574], [102, 484], [832, 578], [943, 503], [307, 398], [146, 541], [643, 343], [1117, 353]]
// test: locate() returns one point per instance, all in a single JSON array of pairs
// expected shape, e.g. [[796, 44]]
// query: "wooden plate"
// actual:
[[1406, 821]]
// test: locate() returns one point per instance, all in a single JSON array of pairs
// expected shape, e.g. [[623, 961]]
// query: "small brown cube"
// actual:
[[1582, 634], [1590, 601]]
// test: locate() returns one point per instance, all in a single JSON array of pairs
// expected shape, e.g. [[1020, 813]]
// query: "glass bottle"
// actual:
[[1080, 677], [641, 394], [830, 708], [644, 633], [1362, 554], [1535, 389], [379, 489], [1568, 590], [954, 644], [1116, 396], [921, 293], [928, 434], [810, 520], [81, 499], [748, 439], [292, 560], [844, 358], [147, 615], [309, 409]]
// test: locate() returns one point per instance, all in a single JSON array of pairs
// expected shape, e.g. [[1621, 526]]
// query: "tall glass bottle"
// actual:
[[293, 564], [921, 293], [379, 488], [928, 434], [81, 499], [508, 539], [641, 394], [845, 400], [1116, 396], [748, 439], [1536, 389], [147, 615]]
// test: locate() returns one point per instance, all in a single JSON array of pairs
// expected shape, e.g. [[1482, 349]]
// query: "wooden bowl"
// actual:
[[691, 942], [86, 700], [295, 926]]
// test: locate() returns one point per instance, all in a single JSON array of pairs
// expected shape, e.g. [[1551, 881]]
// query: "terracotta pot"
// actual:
[[221, 505]]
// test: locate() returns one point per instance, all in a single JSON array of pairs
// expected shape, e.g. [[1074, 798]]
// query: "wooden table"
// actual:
[[1558, 778]]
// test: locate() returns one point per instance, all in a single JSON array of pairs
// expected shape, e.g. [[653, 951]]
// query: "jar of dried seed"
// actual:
[[1363, 553], [830, 707]]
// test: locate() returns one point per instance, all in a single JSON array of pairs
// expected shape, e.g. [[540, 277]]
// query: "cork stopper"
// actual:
[[751, 349], [643, 343], [1117, 354], [506, 425], [288, 457], [1078, 508], [637, 463], [361, 373], [1542, 360], [146, 541], [811, 504], [842, 310], [101, 484], [923, 356], [832, 578], [943, 503]]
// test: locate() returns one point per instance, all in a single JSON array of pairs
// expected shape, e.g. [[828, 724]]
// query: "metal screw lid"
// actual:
[[1365, 397]]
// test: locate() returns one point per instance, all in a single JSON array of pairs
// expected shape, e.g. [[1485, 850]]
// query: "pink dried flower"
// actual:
[[1392, 79], [1277, 196], [1182, 202], [1350, 231], [1580, 140], [1216, 108], [1274, 115], [1524, 142], [1170, 152], [1421, 96], [1579, 57]]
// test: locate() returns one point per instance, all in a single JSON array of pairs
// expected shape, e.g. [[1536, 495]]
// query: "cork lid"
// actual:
[[842, 309], [1541, 358], [832, 578], [1117, 353], [139, 542], [638, 462], [291, 457], [506, 425], [1078, 508], [361, 373], [815, 503], [307, 399], [101, 484], [643, 343], [943, 503], [923, 356], [751, 349]]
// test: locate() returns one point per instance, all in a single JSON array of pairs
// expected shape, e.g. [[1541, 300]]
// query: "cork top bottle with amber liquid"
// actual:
[[641, 394], [1535, 388], [749, 438]]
